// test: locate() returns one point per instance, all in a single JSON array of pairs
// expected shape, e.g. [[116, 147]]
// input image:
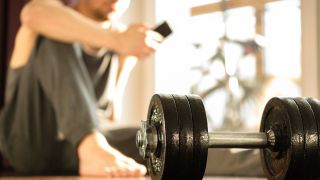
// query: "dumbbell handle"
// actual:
[[147, 140], [241, 140]]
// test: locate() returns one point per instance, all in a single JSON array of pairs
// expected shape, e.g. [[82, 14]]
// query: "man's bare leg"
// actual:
[[98, 158]]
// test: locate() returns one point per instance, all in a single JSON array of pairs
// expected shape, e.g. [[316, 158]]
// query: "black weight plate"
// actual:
[[185, 170], [315, 105], [283, 117], [311, 137], [168, 153], [200, 135]]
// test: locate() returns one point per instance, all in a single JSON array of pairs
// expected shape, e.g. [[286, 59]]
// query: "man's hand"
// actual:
[[138, 40], [98, 158]]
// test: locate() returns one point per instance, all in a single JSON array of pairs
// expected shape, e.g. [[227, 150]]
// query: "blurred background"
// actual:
[[235, 54]]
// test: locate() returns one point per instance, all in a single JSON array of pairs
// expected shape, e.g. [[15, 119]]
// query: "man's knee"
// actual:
[[52, 57]]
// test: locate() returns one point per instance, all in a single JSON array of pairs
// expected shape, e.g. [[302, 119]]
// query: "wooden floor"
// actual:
[[92, 178]]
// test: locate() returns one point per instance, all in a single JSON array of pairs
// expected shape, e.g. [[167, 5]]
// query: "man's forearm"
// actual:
[[53, 19], [125, 67]]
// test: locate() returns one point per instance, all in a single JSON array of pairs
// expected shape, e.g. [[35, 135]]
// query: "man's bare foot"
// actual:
[[98, 158]]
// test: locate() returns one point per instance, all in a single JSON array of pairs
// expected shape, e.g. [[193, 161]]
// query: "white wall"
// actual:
[[310, 46]]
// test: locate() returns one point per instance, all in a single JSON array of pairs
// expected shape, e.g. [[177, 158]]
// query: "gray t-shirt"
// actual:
[[99, 70]]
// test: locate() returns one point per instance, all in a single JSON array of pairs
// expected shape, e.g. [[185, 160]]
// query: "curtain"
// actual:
[[9, 23]]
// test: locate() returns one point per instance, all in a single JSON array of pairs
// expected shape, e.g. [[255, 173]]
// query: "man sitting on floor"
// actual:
[[59, 76]]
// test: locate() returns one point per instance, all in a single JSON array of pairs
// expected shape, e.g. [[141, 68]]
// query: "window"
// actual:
[[235, 59]]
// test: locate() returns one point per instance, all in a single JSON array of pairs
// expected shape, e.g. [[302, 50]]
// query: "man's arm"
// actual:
[[24, 42], [53, 19], [125, 67]]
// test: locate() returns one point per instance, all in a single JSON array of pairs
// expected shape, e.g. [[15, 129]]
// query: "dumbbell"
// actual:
[[174, 140]]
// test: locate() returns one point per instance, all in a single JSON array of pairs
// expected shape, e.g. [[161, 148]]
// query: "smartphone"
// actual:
[[163, 29]]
